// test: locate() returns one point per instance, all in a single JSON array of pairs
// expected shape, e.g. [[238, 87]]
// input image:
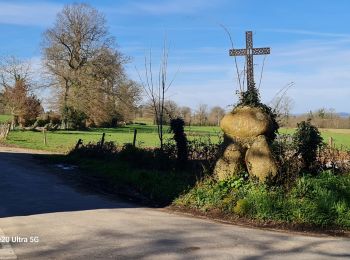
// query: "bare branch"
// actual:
[[262, 71], [234, 57]]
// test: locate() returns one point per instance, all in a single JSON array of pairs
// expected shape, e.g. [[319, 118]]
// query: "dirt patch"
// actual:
[[12, 149]]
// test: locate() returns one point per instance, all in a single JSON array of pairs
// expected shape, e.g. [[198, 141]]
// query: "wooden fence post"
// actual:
[[7, 130], [102, 140], [45, 139], [134, 141], [80, 142], [331, 142]]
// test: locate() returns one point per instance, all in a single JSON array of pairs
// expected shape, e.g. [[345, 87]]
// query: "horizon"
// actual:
[[308, 41]]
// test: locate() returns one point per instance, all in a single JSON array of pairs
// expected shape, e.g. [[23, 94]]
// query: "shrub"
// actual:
[[41, 122], [75, 119], [337, 160], [95, 150], [322, 200], [202, 154], [288, 162], [142, 158], [242, 207], [204, 150], [307, 140], [177, 127]]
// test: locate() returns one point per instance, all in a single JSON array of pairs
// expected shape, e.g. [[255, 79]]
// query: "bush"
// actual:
[[75, 119], [41, 122], [322, 201], [95, 150], [288, 162], [142, 158], [307, 140], [177, 127], [149, 172]]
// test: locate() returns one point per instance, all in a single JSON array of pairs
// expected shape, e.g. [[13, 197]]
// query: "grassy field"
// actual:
[[4, 118], [63, 141], [146, 136]]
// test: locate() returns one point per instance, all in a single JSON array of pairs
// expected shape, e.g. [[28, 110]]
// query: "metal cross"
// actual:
[[248, 52]]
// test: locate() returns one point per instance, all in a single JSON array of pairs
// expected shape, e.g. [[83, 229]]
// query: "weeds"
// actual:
[[322, 201]]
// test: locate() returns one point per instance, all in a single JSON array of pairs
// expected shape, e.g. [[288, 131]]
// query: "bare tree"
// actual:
[[171, 110], [282, 104], [128, 97], [282, 107], [186, 114], [156, 88], [202, 114], [215, 115], [12, 70]]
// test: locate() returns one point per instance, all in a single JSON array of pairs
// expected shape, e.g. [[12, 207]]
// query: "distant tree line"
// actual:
[[201, 116], [321, 118]]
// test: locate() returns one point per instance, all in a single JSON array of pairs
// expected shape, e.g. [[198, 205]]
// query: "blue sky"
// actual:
[[309, 40]]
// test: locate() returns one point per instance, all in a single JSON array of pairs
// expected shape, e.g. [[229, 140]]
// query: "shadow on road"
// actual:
[[194, 240], [28, 187]]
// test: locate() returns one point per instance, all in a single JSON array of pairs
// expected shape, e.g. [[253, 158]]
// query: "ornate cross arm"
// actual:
[[238, 52], [243, 52], [261, 51]]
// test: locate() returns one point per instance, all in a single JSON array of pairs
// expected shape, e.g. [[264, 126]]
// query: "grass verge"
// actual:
[[321, 202]]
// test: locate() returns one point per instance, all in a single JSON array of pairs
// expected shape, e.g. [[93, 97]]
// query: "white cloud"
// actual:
[[39, 14], [320, 70], [306, 32]]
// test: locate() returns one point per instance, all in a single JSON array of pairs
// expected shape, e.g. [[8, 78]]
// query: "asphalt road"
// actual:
[[48, 218]]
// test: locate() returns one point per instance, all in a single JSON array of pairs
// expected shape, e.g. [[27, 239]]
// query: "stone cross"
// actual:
[[248, 52]]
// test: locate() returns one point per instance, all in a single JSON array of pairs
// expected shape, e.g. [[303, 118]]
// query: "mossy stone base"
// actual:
[[259, 159], [230, 163], [246, 128], [245, 122]]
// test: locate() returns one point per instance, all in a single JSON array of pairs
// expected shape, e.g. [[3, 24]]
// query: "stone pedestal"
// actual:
[[246, 146]]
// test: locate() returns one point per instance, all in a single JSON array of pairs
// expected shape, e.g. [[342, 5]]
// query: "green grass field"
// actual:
[[63, 141], [4, 118]]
